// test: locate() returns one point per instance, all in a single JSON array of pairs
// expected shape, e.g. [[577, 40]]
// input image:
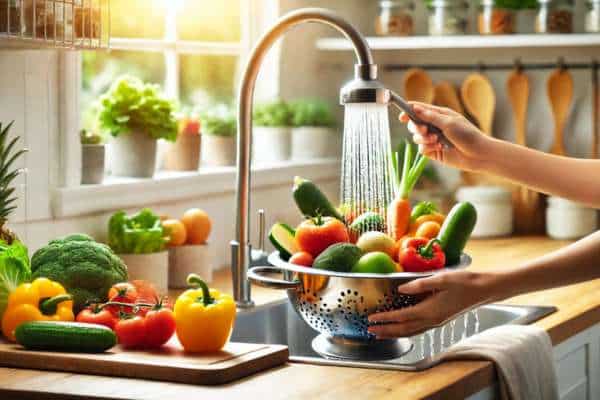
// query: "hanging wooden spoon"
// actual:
[[480, 100], [560, 93], [446, 95], [418, 86], [527, 204]]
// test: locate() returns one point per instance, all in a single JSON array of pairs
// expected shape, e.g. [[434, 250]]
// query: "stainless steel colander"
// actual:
[[337, 304]]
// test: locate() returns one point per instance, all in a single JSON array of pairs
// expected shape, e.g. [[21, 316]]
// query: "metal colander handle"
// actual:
[[255, 275]]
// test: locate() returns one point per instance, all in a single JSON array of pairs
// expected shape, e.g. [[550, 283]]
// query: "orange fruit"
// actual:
[[197, 224], [176, 231]]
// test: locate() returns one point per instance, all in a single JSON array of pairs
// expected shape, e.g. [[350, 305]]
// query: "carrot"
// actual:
[[399, 209]]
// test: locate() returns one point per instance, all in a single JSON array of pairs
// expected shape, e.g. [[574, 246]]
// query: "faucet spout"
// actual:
[[365, 70]]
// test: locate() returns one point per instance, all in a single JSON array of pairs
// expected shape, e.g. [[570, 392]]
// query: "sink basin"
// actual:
[[278, 323]]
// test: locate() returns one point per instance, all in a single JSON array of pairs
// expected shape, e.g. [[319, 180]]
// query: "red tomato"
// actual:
[[302, 258], [95, 315], [160, 326], [131, 332], [316, 234], [147, 294], [123, 292]]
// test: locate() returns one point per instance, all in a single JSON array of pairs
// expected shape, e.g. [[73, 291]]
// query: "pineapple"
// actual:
[[7, 158]]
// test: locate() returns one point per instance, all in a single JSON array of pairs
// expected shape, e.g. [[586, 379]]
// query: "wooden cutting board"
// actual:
[[170, 363]]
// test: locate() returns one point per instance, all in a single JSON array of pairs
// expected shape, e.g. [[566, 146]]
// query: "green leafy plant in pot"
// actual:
[[219, 127], [93, 157], [271, 140], [313, 133], [136, 115]]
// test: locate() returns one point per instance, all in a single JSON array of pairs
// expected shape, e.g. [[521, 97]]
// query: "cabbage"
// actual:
[[14, 270]]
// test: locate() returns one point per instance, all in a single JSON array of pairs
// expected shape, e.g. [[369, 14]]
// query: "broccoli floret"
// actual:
[[86, 268]]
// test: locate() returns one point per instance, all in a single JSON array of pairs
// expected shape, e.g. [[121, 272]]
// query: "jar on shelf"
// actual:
[[87, 19], [10, 16], [38, 19], [494, 19], [554, 16], [448, 17], [592, 16], [395, 18]]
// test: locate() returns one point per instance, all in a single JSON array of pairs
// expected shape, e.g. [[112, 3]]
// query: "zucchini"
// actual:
[[369, 221], [283, 238], [456, 230], [312, 201], [65, 336]]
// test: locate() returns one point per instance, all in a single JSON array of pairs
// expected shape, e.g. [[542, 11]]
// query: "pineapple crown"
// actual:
[[8, 156]]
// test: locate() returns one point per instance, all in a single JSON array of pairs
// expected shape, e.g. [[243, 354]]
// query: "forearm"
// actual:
[[575, 263], [575, 179]]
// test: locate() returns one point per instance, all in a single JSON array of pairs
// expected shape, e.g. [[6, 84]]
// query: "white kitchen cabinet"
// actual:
[[577, 366]]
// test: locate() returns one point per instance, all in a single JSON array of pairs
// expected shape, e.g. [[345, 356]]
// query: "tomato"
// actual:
[[316, 234], [123, 292], [302, 258], [95, 315], [160, 326], [131, 332]]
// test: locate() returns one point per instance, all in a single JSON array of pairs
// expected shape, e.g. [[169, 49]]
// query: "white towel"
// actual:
[[523, 357]]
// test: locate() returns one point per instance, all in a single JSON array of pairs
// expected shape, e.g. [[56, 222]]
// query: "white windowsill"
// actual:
[[117, 193]]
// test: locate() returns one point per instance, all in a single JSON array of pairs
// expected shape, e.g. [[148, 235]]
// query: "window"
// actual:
[[191, 48]]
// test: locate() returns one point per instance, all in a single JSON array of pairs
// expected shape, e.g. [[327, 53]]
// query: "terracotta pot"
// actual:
[[187, 259], [218, 150], [270, 144], [184, 154], [132, 154], [92, 163], [309, 142], [151, 267]]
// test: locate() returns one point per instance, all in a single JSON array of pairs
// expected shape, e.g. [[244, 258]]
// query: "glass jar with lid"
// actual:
[[592, 16], [10, 16], [495, 18], [448, 17], [554, 16], [395, 18]]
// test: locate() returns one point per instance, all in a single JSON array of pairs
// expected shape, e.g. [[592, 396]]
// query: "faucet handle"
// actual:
[[261, 230]]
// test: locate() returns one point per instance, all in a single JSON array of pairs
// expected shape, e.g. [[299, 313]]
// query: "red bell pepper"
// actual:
[[421, 255]]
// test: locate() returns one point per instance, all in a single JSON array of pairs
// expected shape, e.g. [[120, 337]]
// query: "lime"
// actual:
[[375, 263]]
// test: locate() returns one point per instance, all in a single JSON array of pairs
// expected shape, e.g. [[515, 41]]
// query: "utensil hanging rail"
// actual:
[[490, 67]]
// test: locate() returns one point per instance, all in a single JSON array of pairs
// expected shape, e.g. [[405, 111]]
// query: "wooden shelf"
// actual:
[[466, 42]]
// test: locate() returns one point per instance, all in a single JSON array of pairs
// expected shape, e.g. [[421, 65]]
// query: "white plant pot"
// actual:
[[151, 267], [270, 144], [92, 163], [132, 154], [309, 142], [184, 260], [218, 150]]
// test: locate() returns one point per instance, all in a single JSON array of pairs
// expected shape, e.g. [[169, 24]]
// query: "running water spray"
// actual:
[[367, 183]]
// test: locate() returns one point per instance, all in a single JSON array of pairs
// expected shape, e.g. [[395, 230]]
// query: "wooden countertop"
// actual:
[[578, 305]]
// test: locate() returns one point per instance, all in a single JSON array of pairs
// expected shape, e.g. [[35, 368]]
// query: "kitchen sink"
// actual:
[[278, 323]]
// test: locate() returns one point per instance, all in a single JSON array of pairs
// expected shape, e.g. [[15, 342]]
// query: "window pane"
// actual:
[[137, 18], [100, 69], [207, 79], [209, 20]]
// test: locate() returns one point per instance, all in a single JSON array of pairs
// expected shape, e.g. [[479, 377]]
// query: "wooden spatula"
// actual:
[[418, 86], [446, 95], [560, 93], [480, 100]]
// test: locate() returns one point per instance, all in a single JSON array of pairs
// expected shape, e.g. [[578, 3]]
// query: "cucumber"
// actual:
[[312, 201], [367, 222], [339, 257], [65, 336], [283, 238], [456, 230]]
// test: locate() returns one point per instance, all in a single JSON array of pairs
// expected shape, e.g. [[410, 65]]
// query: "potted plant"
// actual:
[[313, 135], [271, 136], [136, 116], [92, 157], [219, 127], [184, 153], [140, 240]]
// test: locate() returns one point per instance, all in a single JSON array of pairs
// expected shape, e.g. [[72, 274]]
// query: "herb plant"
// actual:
[[218, 121], [131, 104], [273, 114], [140, 233], [306, 112], [90, 137]]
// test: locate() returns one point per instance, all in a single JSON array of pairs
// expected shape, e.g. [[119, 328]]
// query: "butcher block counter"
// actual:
[[578, 314]]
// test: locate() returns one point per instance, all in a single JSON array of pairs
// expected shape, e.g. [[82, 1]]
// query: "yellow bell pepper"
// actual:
[[41, 300], [435, 217], [204, 317]]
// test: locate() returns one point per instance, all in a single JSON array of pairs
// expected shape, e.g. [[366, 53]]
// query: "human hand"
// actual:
[[448, 294], [467, 141]]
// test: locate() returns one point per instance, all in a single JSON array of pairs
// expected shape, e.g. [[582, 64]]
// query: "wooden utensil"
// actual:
[[446, 95], [528, 210], [480, 100], [170, 363], [418, 86], [560, 93]]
